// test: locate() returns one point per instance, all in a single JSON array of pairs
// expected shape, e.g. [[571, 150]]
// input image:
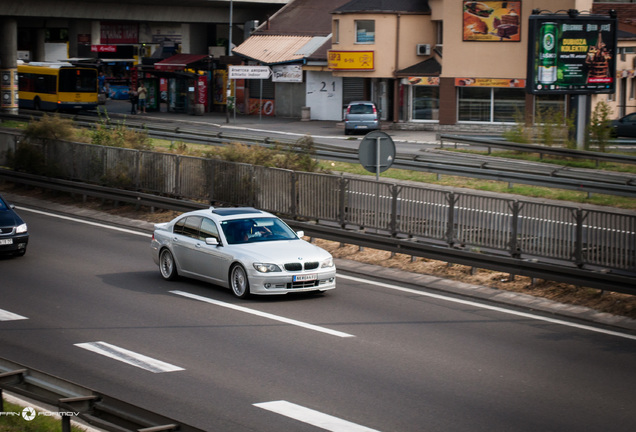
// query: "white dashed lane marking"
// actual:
[[130, 357]]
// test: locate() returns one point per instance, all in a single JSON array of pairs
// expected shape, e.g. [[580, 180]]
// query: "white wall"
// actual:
[[324, 96]]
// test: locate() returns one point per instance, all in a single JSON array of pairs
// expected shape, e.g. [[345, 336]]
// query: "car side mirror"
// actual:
[[300, 234], [211, 241]]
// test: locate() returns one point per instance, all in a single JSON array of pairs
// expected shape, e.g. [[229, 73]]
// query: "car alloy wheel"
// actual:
[[238, 281], [167, 265]]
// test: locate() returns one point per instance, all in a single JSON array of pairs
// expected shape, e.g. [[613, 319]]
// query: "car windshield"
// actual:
[[2, 205], [251, 230]]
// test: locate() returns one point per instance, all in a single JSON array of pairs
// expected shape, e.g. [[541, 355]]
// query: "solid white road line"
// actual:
[[393, 287], [263, 314], [98, 224], [312, 417], [130, 357], [485, 306], [10, 316]]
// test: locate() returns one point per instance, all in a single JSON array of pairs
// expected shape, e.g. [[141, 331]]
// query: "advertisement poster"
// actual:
[[492, 21], [571, 55]]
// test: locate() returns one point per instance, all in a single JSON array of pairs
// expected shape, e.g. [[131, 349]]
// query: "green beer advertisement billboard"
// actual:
[[571, 55]]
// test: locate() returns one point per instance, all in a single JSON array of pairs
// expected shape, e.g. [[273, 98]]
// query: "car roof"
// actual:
[[228, 213]]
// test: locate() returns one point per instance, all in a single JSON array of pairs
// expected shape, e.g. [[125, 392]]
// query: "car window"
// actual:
[[251, 230], [361, 109], [191, 227], [178, 227], [208, 229]]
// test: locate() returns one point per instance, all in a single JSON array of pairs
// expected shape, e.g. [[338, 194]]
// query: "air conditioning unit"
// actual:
[[423, 49]]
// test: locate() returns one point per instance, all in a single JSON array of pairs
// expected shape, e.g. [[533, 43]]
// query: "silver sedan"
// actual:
[[241, 248]]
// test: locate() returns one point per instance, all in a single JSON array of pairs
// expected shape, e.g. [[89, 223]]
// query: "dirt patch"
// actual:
[[605, 301]]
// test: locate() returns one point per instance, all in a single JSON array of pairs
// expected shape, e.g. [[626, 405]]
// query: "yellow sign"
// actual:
[[490, 82], [351, 60]]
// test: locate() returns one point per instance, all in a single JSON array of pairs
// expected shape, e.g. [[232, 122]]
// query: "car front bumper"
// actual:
[[18, 242], [284, 283]]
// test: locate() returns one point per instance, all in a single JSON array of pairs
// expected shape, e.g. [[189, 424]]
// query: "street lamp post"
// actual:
[[229, 53]]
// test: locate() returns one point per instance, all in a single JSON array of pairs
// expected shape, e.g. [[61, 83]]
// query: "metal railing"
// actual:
[[521, 229], [73, 400], [439, 162]]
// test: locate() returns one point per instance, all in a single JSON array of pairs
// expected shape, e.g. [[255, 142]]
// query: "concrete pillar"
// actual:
[[9, 65], [39, 49], [193, 39]]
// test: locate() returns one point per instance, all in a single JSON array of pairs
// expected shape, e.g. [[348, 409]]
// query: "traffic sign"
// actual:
[[249, 72], [376, 152]]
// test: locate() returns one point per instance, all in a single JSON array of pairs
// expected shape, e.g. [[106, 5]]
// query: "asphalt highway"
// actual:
[[374, 354]]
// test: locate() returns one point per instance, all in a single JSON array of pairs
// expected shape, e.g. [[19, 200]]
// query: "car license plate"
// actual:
[[304, 278], [6, 241], [361, 127]]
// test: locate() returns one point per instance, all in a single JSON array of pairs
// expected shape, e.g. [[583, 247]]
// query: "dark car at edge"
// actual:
[[14, 235]]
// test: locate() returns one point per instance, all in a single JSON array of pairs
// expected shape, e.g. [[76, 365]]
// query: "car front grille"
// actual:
[[6, 230], [294, 267], [306, 284]]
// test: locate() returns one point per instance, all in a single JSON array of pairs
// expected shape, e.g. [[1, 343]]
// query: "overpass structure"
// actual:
[[81, 27]]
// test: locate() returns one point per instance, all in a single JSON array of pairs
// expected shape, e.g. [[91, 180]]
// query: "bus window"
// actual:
[[78, 80]]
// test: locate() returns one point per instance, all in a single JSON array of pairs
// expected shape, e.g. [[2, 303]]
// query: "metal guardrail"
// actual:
[[532, 148], [442, 163], [490, 258], [72, 400]]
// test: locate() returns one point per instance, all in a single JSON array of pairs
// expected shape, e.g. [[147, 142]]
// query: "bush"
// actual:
[[50, 128], [599, 130]]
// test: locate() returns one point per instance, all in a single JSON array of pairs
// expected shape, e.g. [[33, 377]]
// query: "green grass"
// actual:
[[16, 423], [432, 179], [572, 163], [486, 185]]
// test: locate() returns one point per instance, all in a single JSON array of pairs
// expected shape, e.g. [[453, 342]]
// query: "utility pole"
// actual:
[[229, 53]]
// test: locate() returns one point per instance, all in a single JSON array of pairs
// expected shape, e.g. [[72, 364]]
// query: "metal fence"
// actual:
[[521, 229]]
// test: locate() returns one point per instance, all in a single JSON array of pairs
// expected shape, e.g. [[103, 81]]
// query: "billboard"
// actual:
[[491, 21], [571, 54]]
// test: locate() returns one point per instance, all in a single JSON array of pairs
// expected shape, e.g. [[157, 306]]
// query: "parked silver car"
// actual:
[[361, 116], [241, 248]]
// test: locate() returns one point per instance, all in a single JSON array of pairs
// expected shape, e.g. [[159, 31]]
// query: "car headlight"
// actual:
[[21, 229], [266, 268], [327, 263]]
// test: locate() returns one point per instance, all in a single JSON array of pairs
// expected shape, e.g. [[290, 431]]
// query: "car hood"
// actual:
[[9, 218], [281, 252]]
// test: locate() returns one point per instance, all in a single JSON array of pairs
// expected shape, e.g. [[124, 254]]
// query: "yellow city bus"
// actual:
[[57, 86]]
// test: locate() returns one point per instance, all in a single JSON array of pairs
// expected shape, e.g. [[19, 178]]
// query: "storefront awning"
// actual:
[[274, 49], [179, 62]]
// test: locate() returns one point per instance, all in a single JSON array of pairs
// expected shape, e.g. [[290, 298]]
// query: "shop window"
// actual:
[[549, 105], [484, 104], [365, 31], [509, 105], [474, 104], [425, 103]]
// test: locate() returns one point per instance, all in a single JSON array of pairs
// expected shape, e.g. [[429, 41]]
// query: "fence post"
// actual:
[[515, 251], [177, 175], [294, 194], [450, 229], [393, 224], [137, 169], [579, 260], [342, 201]]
